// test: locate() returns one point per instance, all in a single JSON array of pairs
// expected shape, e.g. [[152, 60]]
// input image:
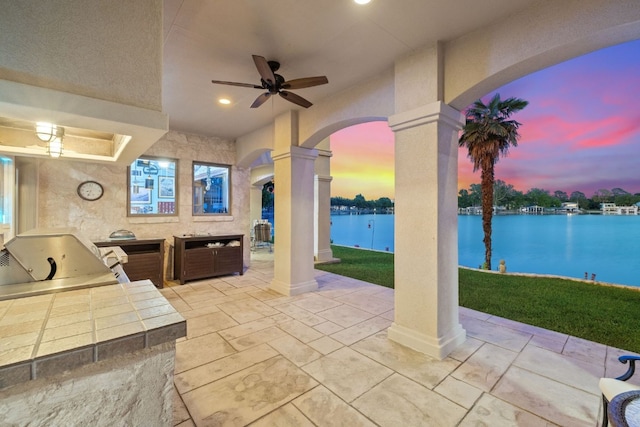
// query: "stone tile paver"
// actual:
[[254, 357], [413, 405], [347, 373]]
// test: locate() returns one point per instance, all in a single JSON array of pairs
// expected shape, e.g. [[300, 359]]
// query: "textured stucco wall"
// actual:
[[131, 390], [110, 50], [59, 205]]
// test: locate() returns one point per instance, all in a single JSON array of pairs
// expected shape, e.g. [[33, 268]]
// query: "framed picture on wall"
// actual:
[[167, 187], [140, 195]]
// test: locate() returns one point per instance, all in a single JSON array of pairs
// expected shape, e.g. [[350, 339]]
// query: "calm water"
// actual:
[[565, 245], [365, 231]]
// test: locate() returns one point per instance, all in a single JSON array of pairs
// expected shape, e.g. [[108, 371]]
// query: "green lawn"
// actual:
[[603, 314], [370, 266]]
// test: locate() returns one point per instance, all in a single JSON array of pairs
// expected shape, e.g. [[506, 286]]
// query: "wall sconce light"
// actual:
[[52, 135], [148, 183], [54, 148]]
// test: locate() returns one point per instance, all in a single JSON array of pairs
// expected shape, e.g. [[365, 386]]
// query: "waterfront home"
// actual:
[[535, 210], [470, 210], [613, 209], [569, 207]]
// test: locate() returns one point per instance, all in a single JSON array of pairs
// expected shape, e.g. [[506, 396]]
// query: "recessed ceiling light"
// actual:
[[362, 1], [224, 101]]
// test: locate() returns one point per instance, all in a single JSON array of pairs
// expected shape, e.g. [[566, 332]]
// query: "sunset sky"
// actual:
[[580, 132]]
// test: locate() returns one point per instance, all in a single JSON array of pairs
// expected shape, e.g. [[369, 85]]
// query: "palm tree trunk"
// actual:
[[486, 181]]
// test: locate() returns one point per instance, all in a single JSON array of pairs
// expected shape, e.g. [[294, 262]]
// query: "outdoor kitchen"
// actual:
[[76, 331]]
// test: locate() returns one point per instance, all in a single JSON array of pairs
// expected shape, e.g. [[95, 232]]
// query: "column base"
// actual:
[[327, 261], [290, 289], [325, 255], [438, 348]]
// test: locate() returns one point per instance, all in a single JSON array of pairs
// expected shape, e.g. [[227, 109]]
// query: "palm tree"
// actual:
[[487, 134]]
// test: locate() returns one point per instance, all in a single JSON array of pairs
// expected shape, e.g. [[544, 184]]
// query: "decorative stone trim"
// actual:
[[295, 153], [434, 112]]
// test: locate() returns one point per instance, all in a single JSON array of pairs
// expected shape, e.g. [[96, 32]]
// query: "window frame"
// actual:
[[154, 197], [199, 197]]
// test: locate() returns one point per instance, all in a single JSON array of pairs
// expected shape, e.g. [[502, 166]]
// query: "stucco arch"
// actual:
[[262, 174], [327, 131], [251, 146], [546, 34], [371, 100]]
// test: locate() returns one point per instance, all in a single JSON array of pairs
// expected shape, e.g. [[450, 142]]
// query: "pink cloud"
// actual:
[[610, 132]]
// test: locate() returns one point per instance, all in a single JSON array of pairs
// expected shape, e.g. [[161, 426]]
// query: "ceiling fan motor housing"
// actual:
[[276, 87], [274, 65]]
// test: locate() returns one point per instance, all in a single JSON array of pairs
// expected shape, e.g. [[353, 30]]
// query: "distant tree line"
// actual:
[[359, 202], [506, 195]]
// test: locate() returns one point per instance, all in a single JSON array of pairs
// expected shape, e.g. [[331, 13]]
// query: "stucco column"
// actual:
[[426, 237], [255, 204], [322, 217], [294, 212]]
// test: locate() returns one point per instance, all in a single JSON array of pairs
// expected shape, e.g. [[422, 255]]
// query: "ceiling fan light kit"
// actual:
[[276, 84]]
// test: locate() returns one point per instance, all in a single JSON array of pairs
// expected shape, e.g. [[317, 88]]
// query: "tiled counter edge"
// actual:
[[45, 335]]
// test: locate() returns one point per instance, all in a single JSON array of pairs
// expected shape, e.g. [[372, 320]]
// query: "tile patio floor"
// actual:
[[254, 357]]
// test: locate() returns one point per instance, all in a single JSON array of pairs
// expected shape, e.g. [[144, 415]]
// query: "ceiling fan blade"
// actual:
[[264, 69], [296, 99], [261, 100], [220, 82], [305, 82]]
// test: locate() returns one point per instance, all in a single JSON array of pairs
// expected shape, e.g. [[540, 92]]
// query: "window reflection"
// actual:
[[7, 183], [211, 189], [153, 187]]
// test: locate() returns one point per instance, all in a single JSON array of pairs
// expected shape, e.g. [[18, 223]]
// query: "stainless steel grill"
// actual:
[[53, 260]]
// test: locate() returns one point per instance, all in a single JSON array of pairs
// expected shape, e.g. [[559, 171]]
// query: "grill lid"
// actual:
[[58, 253]]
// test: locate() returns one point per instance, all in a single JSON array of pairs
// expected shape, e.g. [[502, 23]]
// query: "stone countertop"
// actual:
[[45, 335]]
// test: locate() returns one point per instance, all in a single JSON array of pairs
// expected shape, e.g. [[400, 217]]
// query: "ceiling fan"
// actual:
[[275, 83]]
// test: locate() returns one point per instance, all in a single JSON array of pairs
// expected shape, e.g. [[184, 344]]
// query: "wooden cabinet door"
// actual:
[[198, 263], [144, 266], [145, 259], [228, 260]]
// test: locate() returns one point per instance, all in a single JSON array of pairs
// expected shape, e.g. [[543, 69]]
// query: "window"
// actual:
[[152, 187], [211, 189], [7, 182]]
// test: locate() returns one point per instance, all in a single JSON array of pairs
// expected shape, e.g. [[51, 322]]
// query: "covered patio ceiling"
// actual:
[[347, 42]]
